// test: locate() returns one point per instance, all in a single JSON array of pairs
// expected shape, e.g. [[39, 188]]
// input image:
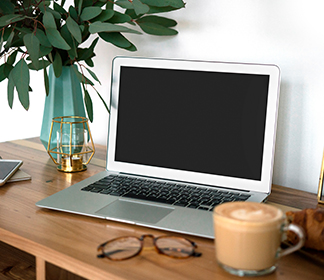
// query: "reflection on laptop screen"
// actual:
[[201, 121]]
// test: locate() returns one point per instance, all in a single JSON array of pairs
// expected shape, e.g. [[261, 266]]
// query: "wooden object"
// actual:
[[63, 246]]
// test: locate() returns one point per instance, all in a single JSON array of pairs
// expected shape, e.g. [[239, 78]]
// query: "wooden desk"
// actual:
[[69, 241]]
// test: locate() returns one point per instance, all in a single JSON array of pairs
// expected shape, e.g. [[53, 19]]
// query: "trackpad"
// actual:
[[133, 211]]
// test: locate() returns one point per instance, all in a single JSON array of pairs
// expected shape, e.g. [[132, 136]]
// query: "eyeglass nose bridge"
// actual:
[[153, 238], [146, 235]]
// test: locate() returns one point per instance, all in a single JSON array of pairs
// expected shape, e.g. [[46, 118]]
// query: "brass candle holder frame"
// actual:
[[71, 161]]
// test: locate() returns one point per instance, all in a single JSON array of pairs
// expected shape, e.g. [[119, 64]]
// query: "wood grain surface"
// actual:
[[55, 240]]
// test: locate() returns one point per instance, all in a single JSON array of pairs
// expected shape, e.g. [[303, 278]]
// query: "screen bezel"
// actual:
[[264, 185]]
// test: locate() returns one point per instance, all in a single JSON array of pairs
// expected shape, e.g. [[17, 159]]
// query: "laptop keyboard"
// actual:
[[162, 192]]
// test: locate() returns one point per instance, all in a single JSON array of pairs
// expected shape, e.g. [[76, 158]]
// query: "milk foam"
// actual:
[[248, 211], [244, 214]]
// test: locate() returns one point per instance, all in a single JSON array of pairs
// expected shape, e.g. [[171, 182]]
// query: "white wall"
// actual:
[[288, 33]]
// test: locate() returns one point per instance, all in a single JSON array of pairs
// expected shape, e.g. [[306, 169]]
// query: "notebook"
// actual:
[[183, 137]]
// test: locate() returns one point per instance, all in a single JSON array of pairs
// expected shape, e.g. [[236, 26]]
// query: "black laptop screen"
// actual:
[[207, 122]]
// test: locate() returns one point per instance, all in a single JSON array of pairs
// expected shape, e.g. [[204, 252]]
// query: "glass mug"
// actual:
[[248, 237]]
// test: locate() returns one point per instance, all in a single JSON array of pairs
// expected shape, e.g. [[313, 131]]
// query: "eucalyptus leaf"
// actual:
[[99, 3], [12, 58], [90, 13], [44, 51], [98, 27], [20, 77], [156, 29], [7, 69], [59, 9], [41, 65], [140, 8], [132, 14], [74, 29], [120, 18], [73, 13], [87, 53], [117, 40], [46, 81], [1, 42], [57, 65], [6, 33], [6, 7], [88, 104], [156, 10], [50, 57], [40, 34], [164, 3], [166, 22], [93, 75], [9, 40], [23, 30], [124, 4], [87, 3], [93, 44], [9, 19], [32, 44], [79, 4], [56, 40], [67, 36], [10, 90], [2, 72], [49, 10], [17, 41], [132, 48], [49, 21], [89, 62], [105, 15]]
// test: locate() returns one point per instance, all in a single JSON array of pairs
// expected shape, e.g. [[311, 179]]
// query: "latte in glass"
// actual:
[[248, 237]]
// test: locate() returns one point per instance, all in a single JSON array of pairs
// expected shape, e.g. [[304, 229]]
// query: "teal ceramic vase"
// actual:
[[65, 99]]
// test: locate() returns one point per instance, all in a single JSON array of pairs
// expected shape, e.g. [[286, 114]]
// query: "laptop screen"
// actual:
[[206, 122], [199, 121]]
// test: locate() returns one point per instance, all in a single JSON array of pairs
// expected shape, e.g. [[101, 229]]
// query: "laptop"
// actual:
[[183, 137]]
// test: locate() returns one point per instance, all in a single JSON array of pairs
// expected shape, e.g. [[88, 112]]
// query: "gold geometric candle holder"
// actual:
[[70, 143]]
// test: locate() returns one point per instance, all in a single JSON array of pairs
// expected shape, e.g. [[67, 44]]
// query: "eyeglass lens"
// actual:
[[174, 247], [122, 248]]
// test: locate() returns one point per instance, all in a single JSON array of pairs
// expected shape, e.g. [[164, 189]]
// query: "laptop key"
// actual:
[[180, 203], [245, 196], [192, 206], [87, 188], [132, 194], [115, 193], [202, 207], [106, 191], [96, 190]]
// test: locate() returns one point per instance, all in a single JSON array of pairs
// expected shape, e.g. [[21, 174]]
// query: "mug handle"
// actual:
[[299, 231]]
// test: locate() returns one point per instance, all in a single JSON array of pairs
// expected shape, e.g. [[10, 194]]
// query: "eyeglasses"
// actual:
[[123, 248]]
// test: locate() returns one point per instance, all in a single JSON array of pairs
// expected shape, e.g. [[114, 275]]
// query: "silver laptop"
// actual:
[[184, 136]]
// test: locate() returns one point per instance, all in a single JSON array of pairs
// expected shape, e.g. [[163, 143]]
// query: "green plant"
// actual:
[[44, 32]]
